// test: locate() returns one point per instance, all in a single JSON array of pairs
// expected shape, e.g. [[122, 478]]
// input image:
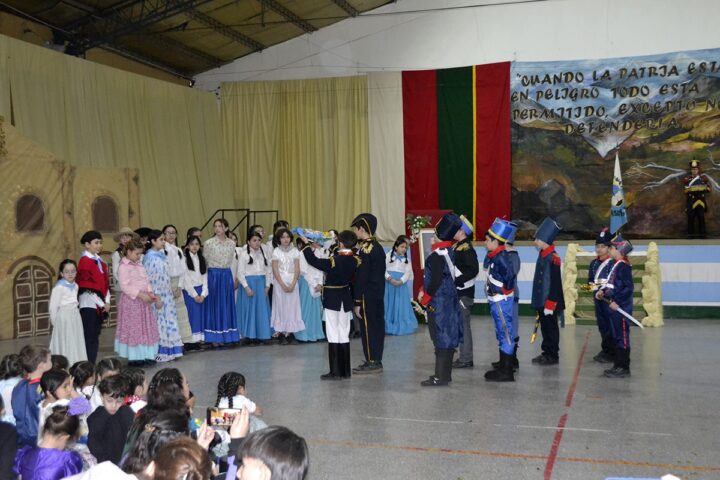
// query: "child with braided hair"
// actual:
[[231, 394], [253, 306]]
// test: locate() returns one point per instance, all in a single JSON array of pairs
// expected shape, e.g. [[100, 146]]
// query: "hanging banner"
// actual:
[[570, 118]]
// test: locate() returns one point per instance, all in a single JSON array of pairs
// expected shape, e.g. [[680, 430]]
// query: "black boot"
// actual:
[[499, 362], [606, 353], [504, 373], [621, 367], [443, 367], [515, 362], [334, 373], [344, 360]]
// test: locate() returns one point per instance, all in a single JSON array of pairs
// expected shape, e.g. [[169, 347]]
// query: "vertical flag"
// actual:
[[618, 214]]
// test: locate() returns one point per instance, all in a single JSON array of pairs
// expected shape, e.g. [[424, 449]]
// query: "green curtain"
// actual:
[[300, 146]]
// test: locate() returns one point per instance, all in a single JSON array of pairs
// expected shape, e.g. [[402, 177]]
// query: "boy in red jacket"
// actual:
[[94, 283]]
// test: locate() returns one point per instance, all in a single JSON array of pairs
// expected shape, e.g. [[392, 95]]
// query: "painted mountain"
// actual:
[[568, 119]]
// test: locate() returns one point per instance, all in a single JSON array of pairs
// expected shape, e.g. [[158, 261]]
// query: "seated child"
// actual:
[[26, 395], [110, 423], [231, 394], [8, 445], [60, 362], [56, 385], [51, 459], [83, 375], [274, 453], [10, 375], [106, 367], [137, 387]]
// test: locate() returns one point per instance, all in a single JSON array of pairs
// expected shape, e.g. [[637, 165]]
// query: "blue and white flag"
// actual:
[[618, 214]]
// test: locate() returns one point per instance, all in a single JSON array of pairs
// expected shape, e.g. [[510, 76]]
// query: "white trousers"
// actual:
[[337, 326]]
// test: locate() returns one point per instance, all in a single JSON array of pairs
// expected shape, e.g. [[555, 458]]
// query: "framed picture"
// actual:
[[425, 242]]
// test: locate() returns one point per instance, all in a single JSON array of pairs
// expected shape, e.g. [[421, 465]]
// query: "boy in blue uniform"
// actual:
[[619, 291], [369, 293], [547, 294], [26, 395], [439, 294], [501, 278], [597, 278], [337, 300]]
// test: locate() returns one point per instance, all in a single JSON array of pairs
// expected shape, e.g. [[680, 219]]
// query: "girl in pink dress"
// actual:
[[136, 336]]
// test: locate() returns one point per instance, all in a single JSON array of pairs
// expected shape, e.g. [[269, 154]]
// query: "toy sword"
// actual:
[[537, 325], [626, 315]]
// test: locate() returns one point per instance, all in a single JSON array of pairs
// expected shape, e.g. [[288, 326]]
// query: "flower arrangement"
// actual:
[[415, 224]]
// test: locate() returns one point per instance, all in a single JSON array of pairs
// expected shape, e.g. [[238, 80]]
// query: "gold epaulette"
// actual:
[[462, 247], [367, 246], [332, 262], [358, 260]]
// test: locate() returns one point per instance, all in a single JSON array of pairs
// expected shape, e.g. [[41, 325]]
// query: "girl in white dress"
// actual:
[[67, 336], [176, 268], [286, 316]]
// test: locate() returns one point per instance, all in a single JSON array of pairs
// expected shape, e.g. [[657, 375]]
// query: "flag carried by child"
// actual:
[[618, 214]]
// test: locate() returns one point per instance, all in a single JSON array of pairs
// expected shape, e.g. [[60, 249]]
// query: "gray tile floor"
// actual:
[[662, 420]]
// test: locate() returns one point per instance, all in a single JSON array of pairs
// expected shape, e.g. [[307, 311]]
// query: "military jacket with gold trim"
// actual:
[[695, 190], [339, 271], [370, 276]]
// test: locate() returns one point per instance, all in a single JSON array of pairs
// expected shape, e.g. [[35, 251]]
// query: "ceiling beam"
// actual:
[[349, 9], [225, 30], [288, 15], [127, 21], [149, 61]]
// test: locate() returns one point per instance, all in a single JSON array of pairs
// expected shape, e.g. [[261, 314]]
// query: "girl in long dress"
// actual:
[[286, 316], [194, 283], [221, 317], [309, 284], [176, 268], [136, 335], [67, 335], [156, 265], [399, 316], [253, 306]]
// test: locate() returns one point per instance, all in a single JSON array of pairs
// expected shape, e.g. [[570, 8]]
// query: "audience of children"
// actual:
[[105, 368], [156, 266], [399, 315], [137, 388], [136, 335], [286, 317], [83, 375]]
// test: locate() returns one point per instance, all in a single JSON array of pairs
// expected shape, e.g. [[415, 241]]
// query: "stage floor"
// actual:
[[560, 422]]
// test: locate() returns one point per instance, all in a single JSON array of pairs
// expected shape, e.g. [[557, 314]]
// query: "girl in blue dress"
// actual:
[[399, 316], [253, 305], [220, 314], [310, 284], [156, 266]]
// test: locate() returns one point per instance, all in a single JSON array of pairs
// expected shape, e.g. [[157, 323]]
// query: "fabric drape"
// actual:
[[300, 146], [92, 115], [387, 167]]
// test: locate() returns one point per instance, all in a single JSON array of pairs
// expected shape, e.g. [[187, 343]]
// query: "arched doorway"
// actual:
[[31, 298]]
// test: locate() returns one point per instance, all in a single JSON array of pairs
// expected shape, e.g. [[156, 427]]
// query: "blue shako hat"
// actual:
[[547, 231], [367, 221], [467, 227], [604, 237], [511, 236], [448, 226], [502, 230], [623, 246]]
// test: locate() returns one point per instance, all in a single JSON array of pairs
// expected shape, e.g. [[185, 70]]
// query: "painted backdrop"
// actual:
[[568, 118]]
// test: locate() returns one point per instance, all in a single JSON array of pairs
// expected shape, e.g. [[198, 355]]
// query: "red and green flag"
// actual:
[[456, 127]]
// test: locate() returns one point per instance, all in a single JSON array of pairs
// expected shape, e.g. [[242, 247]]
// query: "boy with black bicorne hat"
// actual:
[[619, 291], [369, 293], [93, 281], [597, 278], [547, 294], [439, 294], [467, 268], [500, 286]]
